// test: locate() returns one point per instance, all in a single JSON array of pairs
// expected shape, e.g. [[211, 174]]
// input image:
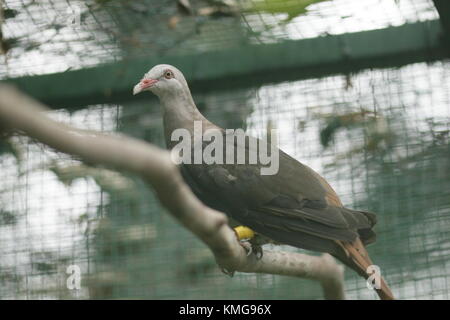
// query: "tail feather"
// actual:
[[358, 259]]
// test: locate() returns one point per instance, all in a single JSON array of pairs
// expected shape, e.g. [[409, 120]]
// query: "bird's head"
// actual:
[[162, 79]]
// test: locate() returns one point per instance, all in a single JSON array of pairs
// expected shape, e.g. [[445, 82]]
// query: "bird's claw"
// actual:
[[252, 248], [228, 272], [247, 247], [246, 238], [258, 251]]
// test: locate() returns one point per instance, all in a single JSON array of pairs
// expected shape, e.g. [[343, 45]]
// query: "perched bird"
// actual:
[[294, 206]]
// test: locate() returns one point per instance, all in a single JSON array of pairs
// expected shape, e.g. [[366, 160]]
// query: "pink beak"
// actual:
[[144, 84]]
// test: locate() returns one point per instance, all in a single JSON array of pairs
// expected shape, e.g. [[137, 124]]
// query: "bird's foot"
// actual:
[[258, 250], [245, 236], [254, 248], [247, 247], [228, 272]]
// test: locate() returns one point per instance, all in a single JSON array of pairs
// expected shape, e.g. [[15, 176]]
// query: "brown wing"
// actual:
[[294, 200]]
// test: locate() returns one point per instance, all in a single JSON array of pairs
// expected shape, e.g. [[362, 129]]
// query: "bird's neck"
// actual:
[[180, 111]]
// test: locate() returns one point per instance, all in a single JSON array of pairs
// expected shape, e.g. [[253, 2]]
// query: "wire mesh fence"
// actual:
[[59, 35], [380, 137]]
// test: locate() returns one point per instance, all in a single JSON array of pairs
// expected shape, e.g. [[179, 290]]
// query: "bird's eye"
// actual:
[[168, 74]]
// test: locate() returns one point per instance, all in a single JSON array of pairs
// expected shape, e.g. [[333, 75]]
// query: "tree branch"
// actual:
[[153, 164]]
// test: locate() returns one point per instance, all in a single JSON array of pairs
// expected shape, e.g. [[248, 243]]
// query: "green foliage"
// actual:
[[8, 147], [9, 13], [110, 181], [293, 8], [377, 131], [7, 218]]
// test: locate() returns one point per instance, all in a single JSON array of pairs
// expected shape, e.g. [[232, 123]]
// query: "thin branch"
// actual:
[[17, 111]]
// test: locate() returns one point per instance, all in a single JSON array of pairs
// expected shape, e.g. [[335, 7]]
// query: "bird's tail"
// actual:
[[358, 259]]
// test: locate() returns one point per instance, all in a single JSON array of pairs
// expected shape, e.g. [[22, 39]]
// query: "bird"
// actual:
[[296, 206]]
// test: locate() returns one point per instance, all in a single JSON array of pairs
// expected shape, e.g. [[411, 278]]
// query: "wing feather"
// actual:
[[295, 201]]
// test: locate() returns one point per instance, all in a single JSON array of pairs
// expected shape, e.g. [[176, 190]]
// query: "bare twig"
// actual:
[[154, 166]]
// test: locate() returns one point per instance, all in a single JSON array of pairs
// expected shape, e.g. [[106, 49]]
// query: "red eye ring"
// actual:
[[168, 74]]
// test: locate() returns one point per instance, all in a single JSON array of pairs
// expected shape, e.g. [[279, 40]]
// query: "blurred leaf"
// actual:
[[9, 13], [379, 135], [7, 44], [336, 122], [172, 23], [293, 8], [6, 146], [218, 11], [110, 181], [7, 218]]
